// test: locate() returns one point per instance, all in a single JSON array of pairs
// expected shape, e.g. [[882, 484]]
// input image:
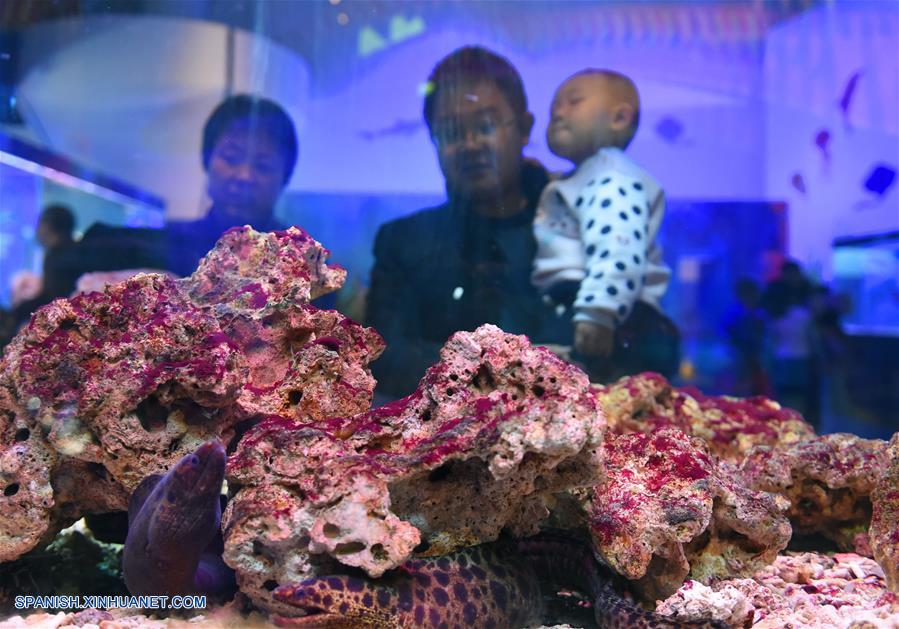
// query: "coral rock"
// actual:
[[494, 428], [130, 378], [884, 531], [828, 481], [733, 601], [27, 500], [731, 426], [105, 388], [667, 509], [255, 270], [797, 590], [304, 363]]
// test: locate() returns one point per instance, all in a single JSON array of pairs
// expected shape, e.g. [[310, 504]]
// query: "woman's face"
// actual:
[[246, 173], [479, 140]]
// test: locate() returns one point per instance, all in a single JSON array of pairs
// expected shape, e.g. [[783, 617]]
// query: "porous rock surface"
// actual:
[[828, 481], [27, 501], [884, 531], [304, 363], [107, 387], [494, 428], [798, 590], [253, 270], [667, 509], [102, 389], [731, 426]]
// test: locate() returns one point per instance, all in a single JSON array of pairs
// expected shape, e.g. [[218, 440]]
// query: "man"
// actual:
[[62, 266], [466, 262]]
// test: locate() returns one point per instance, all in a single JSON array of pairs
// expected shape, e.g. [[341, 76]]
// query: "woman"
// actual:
[[250, 149]]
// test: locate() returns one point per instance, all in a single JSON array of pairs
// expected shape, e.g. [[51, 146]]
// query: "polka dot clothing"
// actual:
[[598, 227]]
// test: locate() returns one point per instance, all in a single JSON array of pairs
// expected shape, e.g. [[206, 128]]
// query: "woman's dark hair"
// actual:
[[473, 64], [264, 114], [59, 218]]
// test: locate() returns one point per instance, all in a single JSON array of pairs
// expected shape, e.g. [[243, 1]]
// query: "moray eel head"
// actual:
[[339, 602]]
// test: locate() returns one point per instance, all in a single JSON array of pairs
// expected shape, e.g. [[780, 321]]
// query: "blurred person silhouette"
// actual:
[[836, 361], [791, 285], [62, 264], [249, 151], [793, 342], [744, 325]]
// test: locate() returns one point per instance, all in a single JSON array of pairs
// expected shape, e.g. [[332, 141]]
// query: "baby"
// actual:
[[596, 228]]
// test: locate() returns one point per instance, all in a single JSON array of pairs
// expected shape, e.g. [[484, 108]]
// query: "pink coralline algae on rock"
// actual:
[[884, 531], [102, 389], [493, 430], [731, 426], [110, 387], [828, 481], [668, 509], [304, 363], [105, 388], [258, 270]]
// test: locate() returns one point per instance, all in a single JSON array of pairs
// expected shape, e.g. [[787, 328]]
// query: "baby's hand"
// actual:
[[592, 339]]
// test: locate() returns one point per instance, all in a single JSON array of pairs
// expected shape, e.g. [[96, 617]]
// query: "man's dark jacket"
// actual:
[[447, 269]]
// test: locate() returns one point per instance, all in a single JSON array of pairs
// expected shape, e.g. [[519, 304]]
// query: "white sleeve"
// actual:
[[614, 224]]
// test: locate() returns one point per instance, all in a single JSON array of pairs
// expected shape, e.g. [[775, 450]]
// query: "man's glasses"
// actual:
[[452, 133]]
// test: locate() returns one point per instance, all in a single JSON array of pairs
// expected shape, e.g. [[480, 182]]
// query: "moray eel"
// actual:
[[494, 585], [174, 537]]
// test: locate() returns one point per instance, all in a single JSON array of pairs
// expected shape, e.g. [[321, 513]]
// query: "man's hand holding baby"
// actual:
[[592, 339]]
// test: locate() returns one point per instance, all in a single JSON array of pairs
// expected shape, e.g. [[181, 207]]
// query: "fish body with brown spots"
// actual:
[[483, 586], [173, 526], [490, 586]]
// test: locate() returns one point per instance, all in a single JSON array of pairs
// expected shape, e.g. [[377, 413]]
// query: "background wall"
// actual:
[[832, 112]]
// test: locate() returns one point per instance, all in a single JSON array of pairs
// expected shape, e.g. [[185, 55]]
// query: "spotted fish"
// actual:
[[174, 537], [494, 585]]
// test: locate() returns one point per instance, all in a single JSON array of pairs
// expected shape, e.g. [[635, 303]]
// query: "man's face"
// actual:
[[582, 118], [44, 235], [479, 140], [246, 173]]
